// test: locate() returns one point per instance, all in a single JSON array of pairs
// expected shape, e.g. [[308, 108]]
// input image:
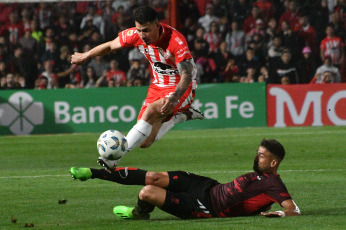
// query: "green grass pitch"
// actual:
[[34, 176]]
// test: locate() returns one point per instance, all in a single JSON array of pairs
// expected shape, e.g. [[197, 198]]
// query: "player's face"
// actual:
[[263, 162], [148, 32]]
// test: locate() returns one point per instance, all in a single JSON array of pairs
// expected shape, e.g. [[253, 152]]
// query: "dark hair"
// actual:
[[274, 147], [145, 14]]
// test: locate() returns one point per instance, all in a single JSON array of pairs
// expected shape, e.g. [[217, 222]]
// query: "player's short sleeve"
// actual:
[[128, 37], [278, 191], [180, 48]]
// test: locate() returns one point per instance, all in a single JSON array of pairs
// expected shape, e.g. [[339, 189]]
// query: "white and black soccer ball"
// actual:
[[112, 145]]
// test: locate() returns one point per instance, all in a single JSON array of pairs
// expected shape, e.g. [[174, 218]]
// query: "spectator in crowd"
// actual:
[[327, 67], [10, 82], [99, 65], [41, 83], [306, 33], [250, 21], [63, 68], [338, 24], [62, 28], [23, 65], [221, 57], [239, 9], [208, 18], [199, 45], [250, 75], [102, 80], [289, 38], [28, 43], [14, 29], [285, 80], [249, 60], [275, 49], [213, 37], [26, 15], [332, 46], [307, 65], [188, 9], [117, 74], [320, 19], [284, 67], [85, 33], [235, 40], [137, 74], [326, 77], [49, 74], [36, 33], [52, 52], [291, 15], [136, 55], [107, 13], [89, 80], [266, 9], [230, 71], [43, 14], [3, 69], [271, 31], [97, 20], [257, 30]]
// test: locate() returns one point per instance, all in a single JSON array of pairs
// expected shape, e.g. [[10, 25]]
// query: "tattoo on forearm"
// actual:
[[185, 69]]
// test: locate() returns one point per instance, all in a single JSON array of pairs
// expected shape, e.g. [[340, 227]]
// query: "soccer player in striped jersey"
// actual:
[[188, 196], [172, 90]]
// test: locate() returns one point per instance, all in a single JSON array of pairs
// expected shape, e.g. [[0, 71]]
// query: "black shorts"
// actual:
[[187, 195]]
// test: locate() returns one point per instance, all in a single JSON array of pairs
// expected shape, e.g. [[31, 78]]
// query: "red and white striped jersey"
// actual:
[[163, 55]]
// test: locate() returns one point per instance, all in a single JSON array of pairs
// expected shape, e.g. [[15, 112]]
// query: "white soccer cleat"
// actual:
[[108, 164], [193, 114]]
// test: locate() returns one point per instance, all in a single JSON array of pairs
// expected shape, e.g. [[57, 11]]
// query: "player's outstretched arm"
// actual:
[[185, 69], [291, 209], [100, 50]]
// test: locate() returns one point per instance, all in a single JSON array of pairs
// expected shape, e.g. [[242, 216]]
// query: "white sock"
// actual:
[[138, 134], [180, 117]]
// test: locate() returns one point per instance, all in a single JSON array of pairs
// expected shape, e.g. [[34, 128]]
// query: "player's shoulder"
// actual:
[[130, 31], [175, 36], [129, 35]]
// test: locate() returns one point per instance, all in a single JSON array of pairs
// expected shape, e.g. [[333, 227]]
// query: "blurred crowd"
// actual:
[[273, 41]]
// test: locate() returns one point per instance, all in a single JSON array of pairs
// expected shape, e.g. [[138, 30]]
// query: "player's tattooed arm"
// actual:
[[185, 69]]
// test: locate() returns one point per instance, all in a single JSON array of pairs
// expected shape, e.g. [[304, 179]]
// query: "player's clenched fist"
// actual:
[[78, 58]]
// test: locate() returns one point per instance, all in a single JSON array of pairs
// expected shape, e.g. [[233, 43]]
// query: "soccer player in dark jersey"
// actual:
[[187, 195]]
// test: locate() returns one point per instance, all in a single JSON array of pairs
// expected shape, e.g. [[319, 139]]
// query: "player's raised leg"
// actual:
[[125, 176]]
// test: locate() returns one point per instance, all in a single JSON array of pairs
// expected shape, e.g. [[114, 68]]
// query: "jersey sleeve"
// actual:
[[278, 191], [180, 49], [128, 37]]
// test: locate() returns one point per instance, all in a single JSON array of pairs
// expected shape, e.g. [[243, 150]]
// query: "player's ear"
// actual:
[[274, 163]]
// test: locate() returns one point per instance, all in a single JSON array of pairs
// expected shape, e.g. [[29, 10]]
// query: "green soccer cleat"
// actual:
[[80, 173], [124, 212]]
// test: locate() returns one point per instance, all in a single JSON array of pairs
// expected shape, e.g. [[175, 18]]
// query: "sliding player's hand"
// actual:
[[271, 214]]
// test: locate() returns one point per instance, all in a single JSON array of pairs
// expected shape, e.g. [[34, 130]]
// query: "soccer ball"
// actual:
[[112, 145]]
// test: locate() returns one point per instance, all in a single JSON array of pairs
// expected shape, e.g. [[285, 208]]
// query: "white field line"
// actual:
[[211, 172]]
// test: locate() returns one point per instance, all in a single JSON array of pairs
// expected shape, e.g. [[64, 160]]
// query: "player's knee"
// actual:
[[147, 193], [152, 177]]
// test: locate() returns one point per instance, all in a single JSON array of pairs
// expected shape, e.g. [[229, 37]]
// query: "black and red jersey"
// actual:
[[248, 194]]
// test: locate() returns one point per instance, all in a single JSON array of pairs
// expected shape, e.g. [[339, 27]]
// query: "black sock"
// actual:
[[127, 176], [142, 207]]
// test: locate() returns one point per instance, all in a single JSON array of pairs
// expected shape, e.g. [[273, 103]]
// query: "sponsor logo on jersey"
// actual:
[[165, 69]]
